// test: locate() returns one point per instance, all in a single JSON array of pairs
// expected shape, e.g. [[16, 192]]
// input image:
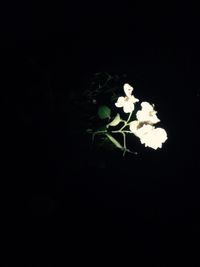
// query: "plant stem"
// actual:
[[124, 136], [126, 122], [104, 131], [120, 131], [129, 117]]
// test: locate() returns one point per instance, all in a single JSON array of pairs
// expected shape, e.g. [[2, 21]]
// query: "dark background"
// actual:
[[144, 206]]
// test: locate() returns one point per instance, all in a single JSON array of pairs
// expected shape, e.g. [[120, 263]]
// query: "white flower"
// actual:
[[148, 134], [154, 138], [147, 114], [127, 102]]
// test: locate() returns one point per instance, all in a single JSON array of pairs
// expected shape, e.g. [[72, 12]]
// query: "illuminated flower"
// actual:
[[127, 102], [148, 134], [147, 114], [154, 138]]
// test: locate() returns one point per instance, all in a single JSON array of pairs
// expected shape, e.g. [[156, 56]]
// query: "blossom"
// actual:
[[154, 138], [127, 102], [147, 114], [148, 134]]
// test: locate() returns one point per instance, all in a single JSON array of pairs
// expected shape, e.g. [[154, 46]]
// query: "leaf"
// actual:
[[114, 141], [116, 120], [104, 112]]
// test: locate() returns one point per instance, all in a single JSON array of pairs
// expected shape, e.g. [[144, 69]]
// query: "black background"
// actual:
[[144, 206]]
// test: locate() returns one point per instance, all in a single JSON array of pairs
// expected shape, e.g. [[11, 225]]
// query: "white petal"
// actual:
[[133, 125], [144, 130], [128, 107], [142, 116], [161, 134], [128, 89], [146, 106], [153, 119], [133, 99], [120, 102]]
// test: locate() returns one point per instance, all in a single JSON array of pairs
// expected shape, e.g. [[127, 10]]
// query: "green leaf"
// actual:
[[114, 141], [104, 112], [116, 120]]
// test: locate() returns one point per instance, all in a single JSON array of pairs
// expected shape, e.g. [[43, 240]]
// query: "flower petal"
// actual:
[[161, 134], [142, 116], [153, 119], [133, 99], [133, 125], [128, 107], [144, 130], [128, 89], [120, 102], [146, 106]]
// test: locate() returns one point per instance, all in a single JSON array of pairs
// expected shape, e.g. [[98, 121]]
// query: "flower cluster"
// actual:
[[142, 126], [146, 117]]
